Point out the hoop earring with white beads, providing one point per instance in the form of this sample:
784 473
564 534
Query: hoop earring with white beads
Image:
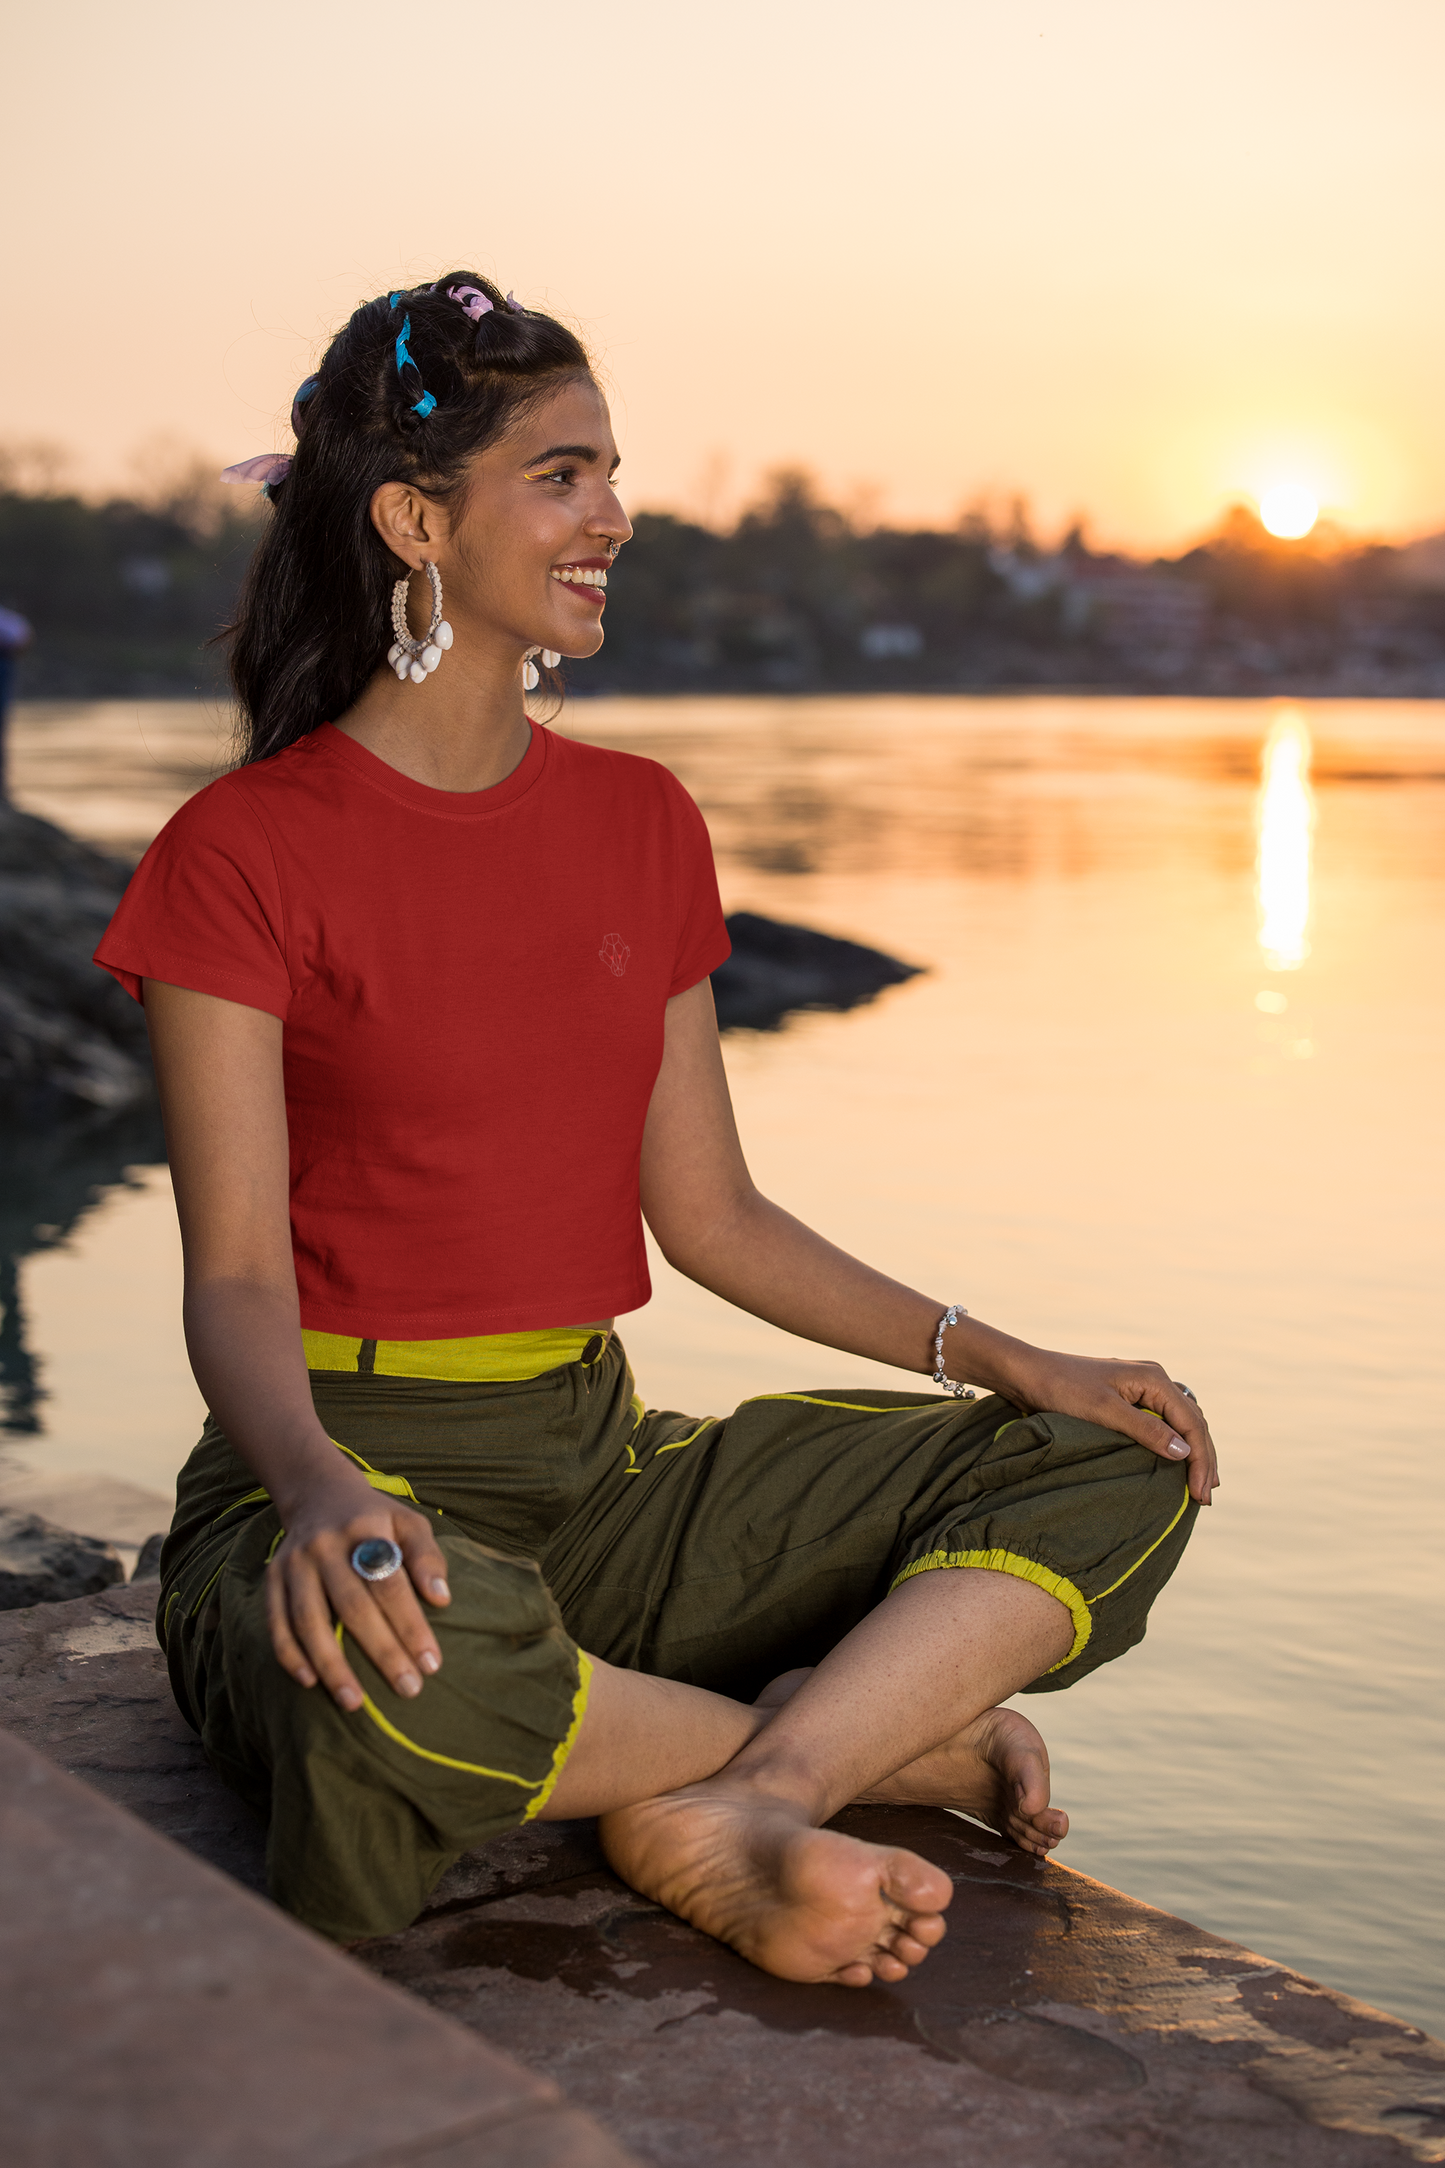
409 657
531 677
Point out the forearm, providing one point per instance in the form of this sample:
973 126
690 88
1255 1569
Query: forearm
244 1339
756 1255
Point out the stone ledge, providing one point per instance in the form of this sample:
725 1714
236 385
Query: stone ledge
167 2016
1059 2020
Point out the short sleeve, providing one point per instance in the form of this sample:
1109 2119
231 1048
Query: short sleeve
204 909
702 935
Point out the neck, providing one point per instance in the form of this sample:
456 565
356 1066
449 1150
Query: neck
464 729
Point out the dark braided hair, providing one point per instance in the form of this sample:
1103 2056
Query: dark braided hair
311 627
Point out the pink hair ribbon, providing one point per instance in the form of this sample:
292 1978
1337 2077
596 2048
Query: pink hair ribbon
472 299
265 467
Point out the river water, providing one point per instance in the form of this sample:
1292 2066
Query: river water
1170 1086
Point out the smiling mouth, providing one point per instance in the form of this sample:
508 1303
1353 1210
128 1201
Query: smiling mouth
590 578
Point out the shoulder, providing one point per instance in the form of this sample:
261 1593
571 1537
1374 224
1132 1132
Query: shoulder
630 778
221 812
234 823
247 802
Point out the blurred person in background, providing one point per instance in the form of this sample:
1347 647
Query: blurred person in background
14 637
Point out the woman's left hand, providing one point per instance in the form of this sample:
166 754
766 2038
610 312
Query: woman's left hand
1138 1398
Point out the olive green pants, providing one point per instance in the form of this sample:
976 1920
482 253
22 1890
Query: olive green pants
719 1552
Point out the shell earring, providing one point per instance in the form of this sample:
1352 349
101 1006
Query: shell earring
530 675
416 659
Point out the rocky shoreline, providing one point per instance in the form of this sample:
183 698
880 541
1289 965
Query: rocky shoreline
43 1563
72 1043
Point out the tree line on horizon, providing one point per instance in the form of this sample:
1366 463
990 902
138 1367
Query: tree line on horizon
126 598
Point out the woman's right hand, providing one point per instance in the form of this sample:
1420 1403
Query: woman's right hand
311 1583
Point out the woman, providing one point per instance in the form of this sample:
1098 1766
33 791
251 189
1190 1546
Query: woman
428 992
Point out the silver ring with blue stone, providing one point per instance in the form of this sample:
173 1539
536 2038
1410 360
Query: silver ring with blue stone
377 1558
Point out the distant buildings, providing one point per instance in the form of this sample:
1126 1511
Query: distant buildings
126 600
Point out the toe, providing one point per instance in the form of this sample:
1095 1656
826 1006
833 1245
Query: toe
859 1975
1039 1832
914 1885
1031 1785
904 1947
888 1967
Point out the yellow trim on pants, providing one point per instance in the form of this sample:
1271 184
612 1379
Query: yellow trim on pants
495 1358
565 1746
542 1786
1023 1569
396 1486
1183 1503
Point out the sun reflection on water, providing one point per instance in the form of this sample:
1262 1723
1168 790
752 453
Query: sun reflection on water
1286 819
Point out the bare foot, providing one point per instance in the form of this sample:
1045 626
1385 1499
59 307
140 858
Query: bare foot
804 1903
996 1769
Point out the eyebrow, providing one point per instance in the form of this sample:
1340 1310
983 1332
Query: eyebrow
587 452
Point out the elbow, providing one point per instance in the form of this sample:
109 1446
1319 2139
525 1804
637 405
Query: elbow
672 1242
701 1241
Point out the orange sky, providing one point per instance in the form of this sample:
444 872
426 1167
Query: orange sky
1131 257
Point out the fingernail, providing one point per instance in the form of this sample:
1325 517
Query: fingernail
407 1682
306 1676
1179 1449
428 1662
349 1698
440 1590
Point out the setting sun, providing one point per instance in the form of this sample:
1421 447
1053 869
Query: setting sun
1289 510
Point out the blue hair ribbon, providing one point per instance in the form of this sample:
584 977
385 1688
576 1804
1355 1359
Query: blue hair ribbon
426 404
303 393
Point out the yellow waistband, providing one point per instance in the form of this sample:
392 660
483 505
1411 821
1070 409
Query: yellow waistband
493 1357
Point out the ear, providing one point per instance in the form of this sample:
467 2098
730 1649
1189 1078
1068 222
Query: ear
410 524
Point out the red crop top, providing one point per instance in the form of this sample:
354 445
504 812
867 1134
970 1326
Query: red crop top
472 987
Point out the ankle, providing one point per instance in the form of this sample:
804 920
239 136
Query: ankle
765 1777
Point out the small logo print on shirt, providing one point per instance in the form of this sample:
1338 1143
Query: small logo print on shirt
614 953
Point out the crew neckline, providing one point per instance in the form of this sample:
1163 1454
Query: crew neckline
455 805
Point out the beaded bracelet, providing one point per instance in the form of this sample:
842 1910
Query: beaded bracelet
950 1316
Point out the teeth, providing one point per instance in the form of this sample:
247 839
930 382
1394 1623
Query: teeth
575 576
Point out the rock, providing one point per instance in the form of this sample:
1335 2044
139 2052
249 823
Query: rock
148 1564
72 1043
161 2015
86 1683
40 1563
98 1505
775 968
